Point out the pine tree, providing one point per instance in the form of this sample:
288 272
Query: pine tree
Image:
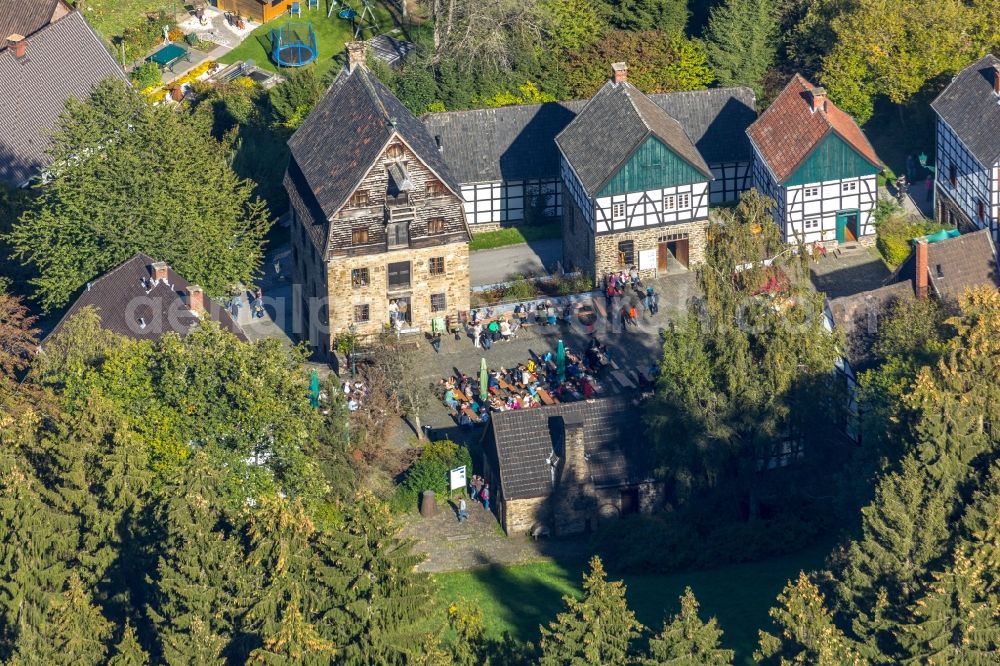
668 16
128 652
197 578
378 600
741 41
295 641
597 629
807 632
687 641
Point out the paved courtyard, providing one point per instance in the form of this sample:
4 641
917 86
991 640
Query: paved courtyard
493 266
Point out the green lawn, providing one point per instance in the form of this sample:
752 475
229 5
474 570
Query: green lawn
519 598
110 17
331 35
488 240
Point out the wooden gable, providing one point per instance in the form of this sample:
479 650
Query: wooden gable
651 166
831 159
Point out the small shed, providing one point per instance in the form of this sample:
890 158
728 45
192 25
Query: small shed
260 11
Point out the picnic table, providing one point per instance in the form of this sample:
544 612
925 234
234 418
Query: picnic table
622 380
546 398
169 55
471 414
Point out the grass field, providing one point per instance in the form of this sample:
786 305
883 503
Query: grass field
520 598
110 17
489 240
331 35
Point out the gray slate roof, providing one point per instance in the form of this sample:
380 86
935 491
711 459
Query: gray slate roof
956 264
120 297
969 106
64 59
25 17
859 316
525 438
390 50
616 121
345 134
518 142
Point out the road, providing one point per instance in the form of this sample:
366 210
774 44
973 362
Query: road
492 266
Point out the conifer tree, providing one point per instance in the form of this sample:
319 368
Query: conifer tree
597 629
741 42
807 632
128 652
687 641
378 598
197 578
295 641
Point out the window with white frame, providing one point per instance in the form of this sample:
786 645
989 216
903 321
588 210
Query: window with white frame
812 192
683 201
849 187
669 202
811 224
618 211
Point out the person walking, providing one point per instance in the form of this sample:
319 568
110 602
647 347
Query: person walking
463 512
485 496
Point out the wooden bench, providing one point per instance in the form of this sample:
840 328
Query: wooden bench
622 380
546 398
507 387
471 414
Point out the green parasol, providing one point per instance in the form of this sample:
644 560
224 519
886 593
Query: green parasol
314 389
561 362
484 382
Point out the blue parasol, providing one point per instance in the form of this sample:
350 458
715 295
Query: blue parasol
561 362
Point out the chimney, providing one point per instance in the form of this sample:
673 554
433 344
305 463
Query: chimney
357 52
195 298
818 99
921 269
576 468
18 44
996 80
619 72
159 271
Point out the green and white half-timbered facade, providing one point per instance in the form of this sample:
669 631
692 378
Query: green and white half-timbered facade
818 166
636 187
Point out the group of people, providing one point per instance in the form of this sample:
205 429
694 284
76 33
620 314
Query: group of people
355 394
624 296
485 333
530 384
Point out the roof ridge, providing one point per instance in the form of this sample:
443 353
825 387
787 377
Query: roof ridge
373 93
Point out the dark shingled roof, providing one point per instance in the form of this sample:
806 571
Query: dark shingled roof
120 297
611 126
347 132
858 316
525 438
65 59
789 129
970 108
955 264
26 17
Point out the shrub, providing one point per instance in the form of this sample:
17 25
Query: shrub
430 472
146 75
895 232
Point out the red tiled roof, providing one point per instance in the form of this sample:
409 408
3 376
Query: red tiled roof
789 129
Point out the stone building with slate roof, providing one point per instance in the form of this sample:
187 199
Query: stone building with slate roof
507 161
639 196
568 466
817 164
377 216
62 58
967 178
145 299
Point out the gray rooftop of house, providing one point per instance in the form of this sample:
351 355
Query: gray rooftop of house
955 265
970 107
62 60
526 438
518 142
858 316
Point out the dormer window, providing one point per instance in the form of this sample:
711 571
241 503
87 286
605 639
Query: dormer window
359 198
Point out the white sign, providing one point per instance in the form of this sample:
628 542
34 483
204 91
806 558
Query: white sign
647 260
457 478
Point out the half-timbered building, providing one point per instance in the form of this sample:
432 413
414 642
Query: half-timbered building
640 196
378 229
818 166
507 161
967 178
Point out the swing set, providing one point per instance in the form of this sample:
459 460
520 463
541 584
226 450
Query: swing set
358 20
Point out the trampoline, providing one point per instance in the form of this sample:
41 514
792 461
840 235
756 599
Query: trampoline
293 44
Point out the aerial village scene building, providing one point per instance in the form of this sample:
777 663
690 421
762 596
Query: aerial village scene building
408 331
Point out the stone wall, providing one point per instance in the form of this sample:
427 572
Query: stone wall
344 296
520 515
578 239
648 239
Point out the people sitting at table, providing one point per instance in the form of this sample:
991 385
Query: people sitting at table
451 399
505 331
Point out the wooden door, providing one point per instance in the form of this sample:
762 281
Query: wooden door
661 257
681 252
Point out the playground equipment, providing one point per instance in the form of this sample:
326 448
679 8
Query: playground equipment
293 44
358 20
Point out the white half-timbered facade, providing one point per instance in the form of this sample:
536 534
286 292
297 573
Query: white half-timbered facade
652 208
508 162
817 165
967 174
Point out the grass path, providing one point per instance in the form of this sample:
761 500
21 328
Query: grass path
520 598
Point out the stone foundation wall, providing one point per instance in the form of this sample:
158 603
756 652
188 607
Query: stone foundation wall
520 515
648 239
343 296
